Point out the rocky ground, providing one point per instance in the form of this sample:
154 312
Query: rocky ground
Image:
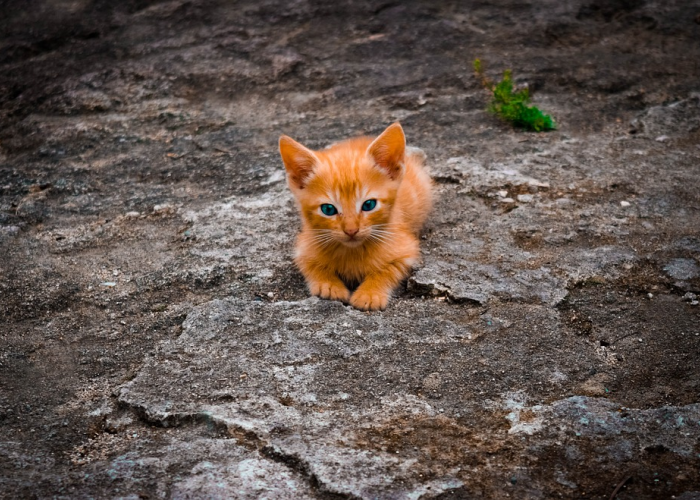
157 342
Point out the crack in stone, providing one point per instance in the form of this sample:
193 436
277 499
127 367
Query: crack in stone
419 289
298 465
243 437
171 420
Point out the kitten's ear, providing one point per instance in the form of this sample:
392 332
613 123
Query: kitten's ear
388 150
298 160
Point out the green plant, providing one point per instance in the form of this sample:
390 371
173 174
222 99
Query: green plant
513 106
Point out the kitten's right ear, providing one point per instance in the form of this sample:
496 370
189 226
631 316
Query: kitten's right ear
298 160
389 149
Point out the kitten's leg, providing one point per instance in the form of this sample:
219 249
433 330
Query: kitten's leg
375 290
322 282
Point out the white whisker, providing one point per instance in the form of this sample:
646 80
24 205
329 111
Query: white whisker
379 238
321 237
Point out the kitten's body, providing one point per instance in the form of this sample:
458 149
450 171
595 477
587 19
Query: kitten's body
373 248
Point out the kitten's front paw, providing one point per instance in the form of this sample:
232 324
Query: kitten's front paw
369 300
329 291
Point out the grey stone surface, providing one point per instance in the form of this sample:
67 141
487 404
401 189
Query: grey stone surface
156 340
215 468
676 119
682 269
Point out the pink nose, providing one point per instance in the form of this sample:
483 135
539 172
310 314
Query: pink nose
351 232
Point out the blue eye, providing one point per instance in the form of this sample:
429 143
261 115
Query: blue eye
328 209
369 205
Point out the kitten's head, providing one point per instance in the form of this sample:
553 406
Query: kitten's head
346 192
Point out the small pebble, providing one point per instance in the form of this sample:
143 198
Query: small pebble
270 295
525 198
503 193
359 332
650 295
625 203
662 138
433 382
108 283
11 230
507 200
164 207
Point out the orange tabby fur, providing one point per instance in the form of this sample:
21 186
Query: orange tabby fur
375 249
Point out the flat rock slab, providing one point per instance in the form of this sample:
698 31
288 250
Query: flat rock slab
343 397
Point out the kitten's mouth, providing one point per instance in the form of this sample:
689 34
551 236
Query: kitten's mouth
353 242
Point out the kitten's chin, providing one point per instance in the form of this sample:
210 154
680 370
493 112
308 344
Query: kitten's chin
354 243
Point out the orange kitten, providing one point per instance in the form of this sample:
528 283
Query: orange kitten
362 204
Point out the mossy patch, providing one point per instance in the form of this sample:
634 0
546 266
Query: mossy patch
513 105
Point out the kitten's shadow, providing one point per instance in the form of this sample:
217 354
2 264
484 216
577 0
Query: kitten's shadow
400 291
352 285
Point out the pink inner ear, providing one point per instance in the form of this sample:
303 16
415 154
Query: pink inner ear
388 150
302 170
298 161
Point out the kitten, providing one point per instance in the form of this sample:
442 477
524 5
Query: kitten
362 203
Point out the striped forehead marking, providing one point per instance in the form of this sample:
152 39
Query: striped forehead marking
361 198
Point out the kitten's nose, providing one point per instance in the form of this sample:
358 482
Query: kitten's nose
351 232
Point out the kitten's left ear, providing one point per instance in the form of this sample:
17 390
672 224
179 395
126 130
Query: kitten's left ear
388 151
298 160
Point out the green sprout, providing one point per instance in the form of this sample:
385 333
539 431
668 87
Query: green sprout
512 106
